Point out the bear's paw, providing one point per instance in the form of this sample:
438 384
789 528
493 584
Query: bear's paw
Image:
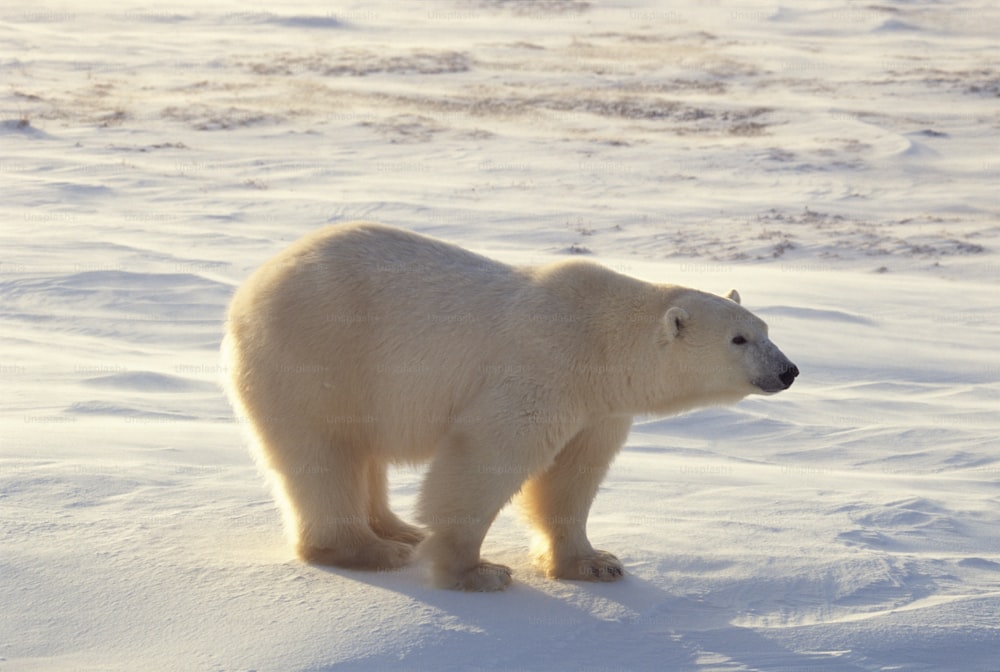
377 555
599 566
485 577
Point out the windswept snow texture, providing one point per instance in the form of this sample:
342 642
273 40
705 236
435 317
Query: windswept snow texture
835 161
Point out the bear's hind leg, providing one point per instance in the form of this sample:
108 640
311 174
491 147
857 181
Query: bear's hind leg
325 499
383 521
557 503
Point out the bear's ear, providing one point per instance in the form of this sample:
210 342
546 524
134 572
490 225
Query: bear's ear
733 296
673 323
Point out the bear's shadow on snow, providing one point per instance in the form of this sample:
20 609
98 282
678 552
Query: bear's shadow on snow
639 621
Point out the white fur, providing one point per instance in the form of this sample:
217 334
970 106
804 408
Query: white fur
361 345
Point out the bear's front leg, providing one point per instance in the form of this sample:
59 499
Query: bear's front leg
557 503
462 494
476 472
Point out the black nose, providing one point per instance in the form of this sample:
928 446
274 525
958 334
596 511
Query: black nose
788 376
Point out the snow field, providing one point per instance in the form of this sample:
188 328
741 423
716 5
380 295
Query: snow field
834 162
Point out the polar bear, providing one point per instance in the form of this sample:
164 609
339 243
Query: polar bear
362 345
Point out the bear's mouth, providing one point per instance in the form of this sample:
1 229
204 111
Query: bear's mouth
782 381
768 387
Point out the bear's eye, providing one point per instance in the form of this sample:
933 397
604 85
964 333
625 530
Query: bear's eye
739 340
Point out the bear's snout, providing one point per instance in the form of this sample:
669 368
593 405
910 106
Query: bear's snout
780 380
788 375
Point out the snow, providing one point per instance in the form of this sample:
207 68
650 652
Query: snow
836 162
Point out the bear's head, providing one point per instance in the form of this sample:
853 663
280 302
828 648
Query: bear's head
719 351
